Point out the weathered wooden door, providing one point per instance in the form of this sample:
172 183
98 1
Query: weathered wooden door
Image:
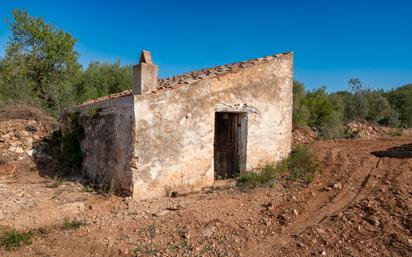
230 144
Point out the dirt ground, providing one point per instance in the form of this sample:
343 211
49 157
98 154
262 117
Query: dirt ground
360 204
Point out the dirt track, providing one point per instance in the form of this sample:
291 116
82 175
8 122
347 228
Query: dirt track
358 205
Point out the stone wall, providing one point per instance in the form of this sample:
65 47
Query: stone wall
108 142
162 141
175 127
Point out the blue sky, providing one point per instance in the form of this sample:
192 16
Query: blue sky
332 40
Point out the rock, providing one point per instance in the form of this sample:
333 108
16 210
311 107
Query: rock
281 219
267 222
162 213
372 219
31 128
303 136
208 232
185 235
19 150
337 186
30 152
328 188
269 206
295 212
323 253
320 231
367 130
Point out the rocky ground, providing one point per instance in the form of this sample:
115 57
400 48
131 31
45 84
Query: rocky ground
360 204
22 130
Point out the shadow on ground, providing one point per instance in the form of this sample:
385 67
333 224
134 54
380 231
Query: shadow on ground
401 152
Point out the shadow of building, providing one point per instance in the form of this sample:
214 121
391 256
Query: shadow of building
401 152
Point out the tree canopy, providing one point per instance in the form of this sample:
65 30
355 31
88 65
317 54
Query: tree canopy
41 67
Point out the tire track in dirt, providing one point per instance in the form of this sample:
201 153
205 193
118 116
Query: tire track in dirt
348 194
361 169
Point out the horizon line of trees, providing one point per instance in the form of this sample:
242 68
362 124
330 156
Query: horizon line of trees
41 68
328 112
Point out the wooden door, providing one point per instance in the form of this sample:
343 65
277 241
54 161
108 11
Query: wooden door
229 144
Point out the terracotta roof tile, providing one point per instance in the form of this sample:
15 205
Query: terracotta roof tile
194 76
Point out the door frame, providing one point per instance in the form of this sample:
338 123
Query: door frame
240 128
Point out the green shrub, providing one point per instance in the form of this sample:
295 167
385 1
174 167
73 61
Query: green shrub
396 132
349 134
300 110
323 115
100 79
332 127
259 176
147 249
356 105
71 155
339 101
112 187
299 166
401 100
92 115
72 224
12 240
89 189
319 106
379 109
66 146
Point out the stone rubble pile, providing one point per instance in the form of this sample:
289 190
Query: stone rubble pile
407 132
366 130
19 138
358 130
303 136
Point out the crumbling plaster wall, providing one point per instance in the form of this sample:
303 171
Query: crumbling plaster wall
108 142
175 128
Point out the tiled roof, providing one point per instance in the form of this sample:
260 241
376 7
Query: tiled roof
194 76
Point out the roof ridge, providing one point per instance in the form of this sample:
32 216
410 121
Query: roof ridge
194 76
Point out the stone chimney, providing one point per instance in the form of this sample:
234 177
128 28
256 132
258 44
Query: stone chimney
144 75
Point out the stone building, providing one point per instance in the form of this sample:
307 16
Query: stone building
183 132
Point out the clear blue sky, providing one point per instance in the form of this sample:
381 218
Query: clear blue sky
332 40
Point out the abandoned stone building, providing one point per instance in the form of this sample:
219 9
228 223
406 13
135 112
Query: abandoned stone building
183 132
